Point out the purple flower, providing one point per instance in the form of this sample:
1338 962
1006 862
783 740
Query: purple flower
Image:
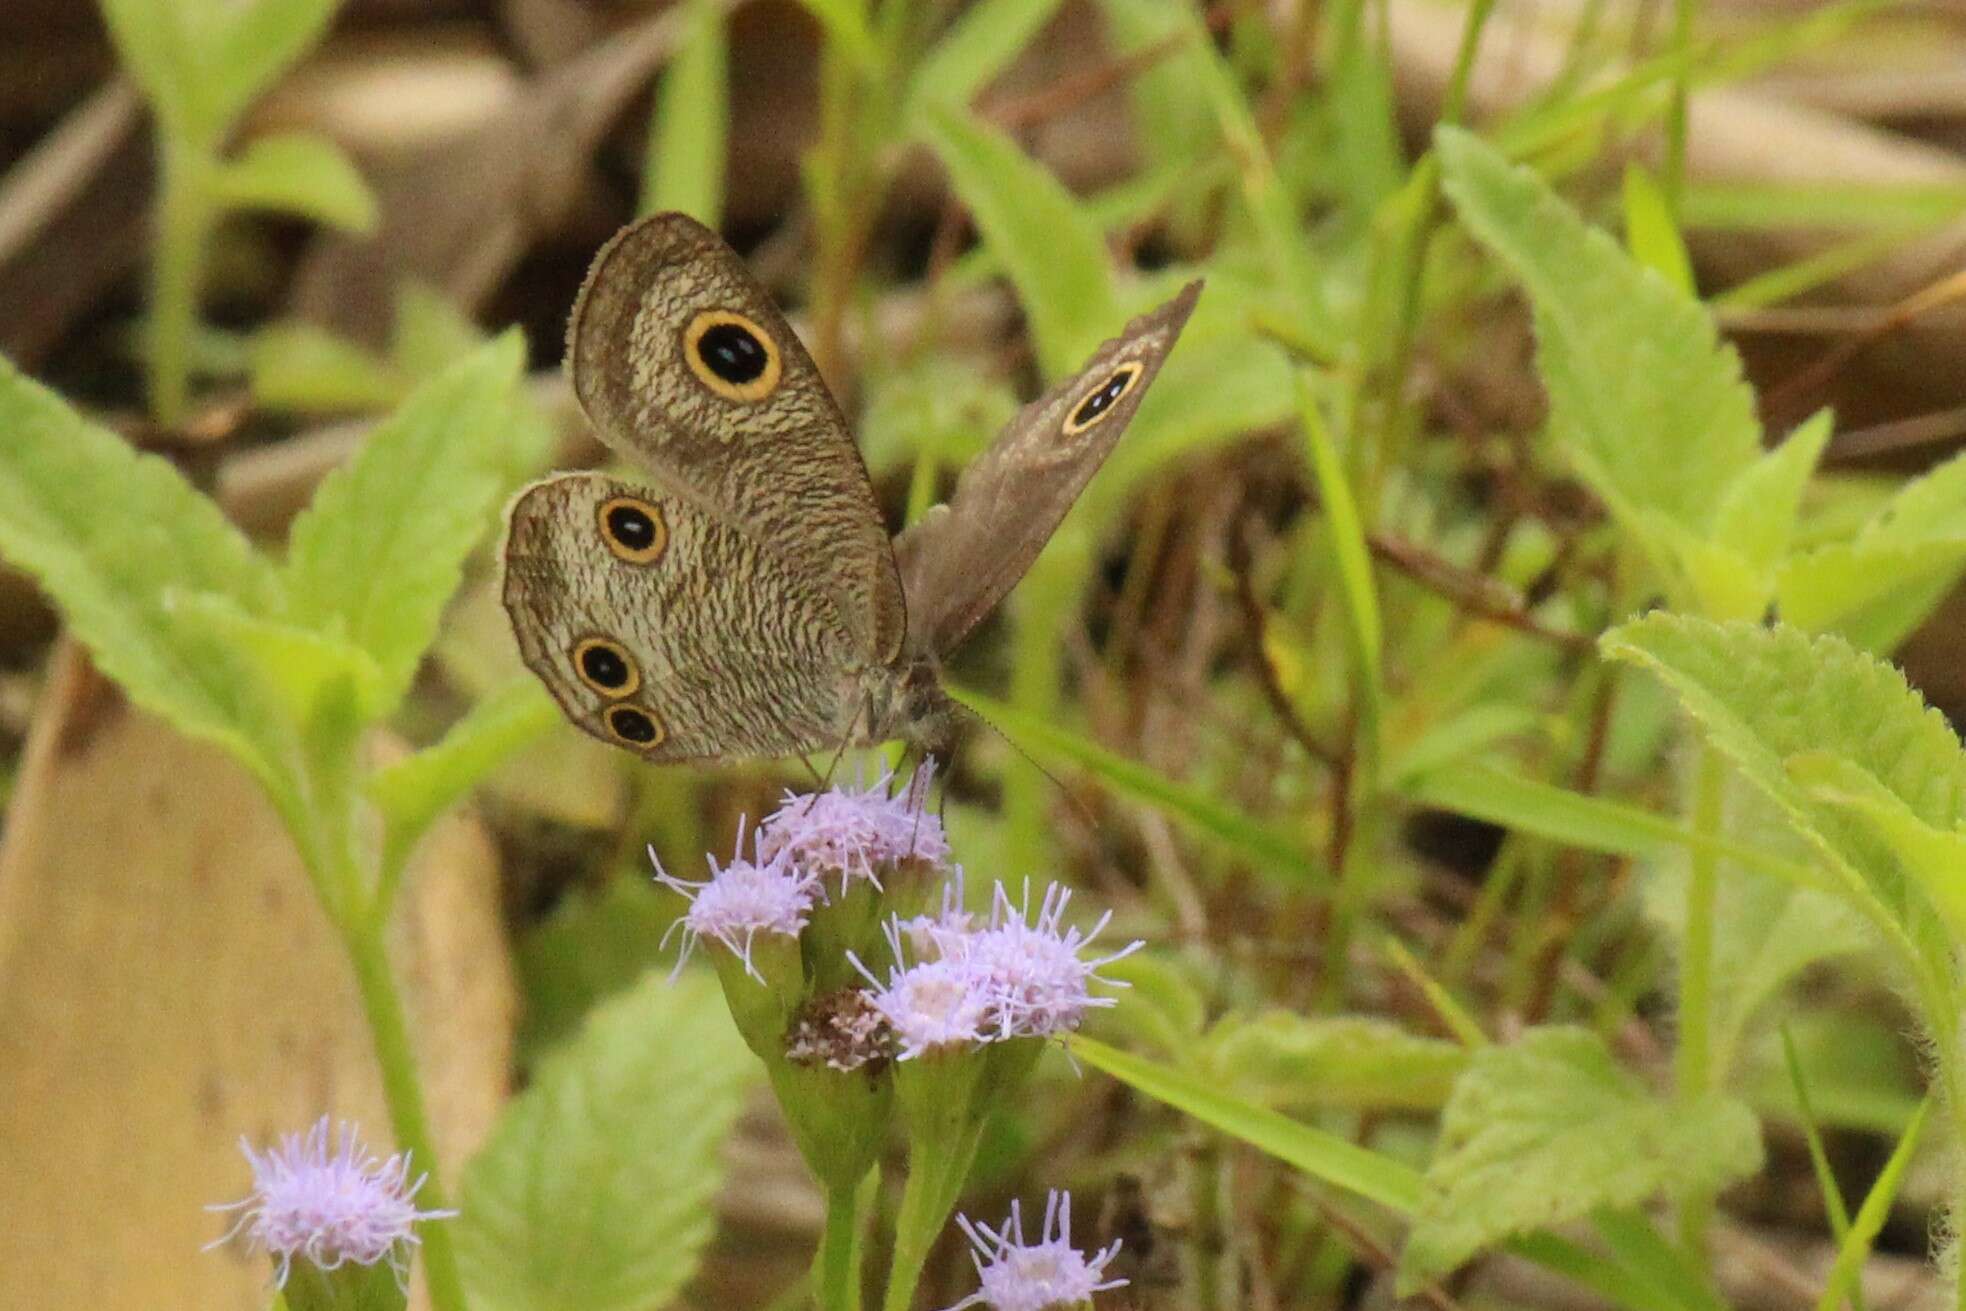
938 935
1038 982
937 1003
329 1204
1020 1276
740 901
854 832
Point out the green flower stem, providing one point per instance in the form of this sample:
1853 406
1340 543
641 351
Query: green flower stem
389 1028
936 1171
836 1266
185 213
1694 1058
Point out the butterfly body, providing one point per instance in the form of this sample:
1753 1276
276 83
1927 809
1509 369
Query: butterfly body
749 602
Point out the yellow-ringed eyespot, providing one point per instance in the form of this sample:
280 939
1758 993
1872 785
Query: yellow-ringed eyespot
1099 402
732 356
635 728
606 666
633 529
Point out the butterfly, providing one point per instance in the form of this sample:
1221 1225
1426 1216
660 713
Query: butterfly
748 601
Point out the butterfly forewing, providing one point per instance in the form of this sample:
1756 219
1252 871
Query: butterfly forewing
662 630
960 560
683 363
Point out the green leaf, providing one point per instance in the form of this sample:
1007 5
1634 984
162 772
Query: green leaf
1351 560
1590 823
1766 931
1050 246
253 43
300 667
1764 695
1319 1154
430 333
846 27
1826 588
298 173
1757 515
414 791
153 46
1934 858
1164 1006
1650 232
107 533
689 134
1548 1130
1292 1061
979 45
381 548
596 1188
1251 838
595 944
1868 1223
1644 398
299 367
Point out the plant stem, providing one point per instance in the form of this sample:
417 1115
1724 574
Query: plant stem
1674 180
383 1006
1693 1061
184 219
836 1266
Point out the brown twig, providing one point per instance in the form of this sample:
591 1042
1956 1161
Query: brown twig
1476 593
1793 390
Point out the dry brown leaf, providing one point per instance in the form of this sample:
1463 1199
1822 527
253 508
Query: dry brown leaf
171 983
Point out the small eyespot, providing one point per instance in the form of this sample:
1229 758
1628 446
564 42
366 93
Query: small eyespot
635 728
1099 402
732 356
633 529
606 667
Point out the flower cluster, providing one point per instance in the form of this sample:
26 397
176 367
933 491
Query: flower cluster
743 899
853 832
325 1199
1050 1273
1014 977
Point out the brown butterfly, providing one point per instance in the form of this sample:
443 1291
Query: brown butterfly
751 604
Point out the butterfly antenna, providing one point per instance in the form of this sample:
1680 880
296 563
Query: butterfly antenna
1085 815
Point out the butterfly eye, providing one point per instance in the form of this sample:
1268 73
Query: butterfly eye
606 667
633 529
1099 402
635 727
732 356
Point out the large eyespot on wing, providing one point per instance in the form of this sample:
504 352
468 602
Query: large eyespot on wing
682 362
662 631
960 560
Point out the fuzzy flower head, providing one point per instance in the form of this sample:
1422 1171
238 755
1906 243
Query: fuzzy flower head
740 901
944 933
325 1199
1038 979
934 1004
855 832
1050 1273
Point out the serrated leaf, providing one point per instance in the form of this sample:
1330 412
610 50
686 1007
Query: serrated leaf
1549 1129
1822 589
1763 695
381 548
979 45
1300 1062
1757 514
107 532
594 945
1934 858
688 135
596 1188
1049 244
298 173
1645 399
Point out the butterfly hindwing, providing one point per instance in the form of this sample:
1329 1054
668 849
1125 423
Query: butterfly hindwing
655 626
